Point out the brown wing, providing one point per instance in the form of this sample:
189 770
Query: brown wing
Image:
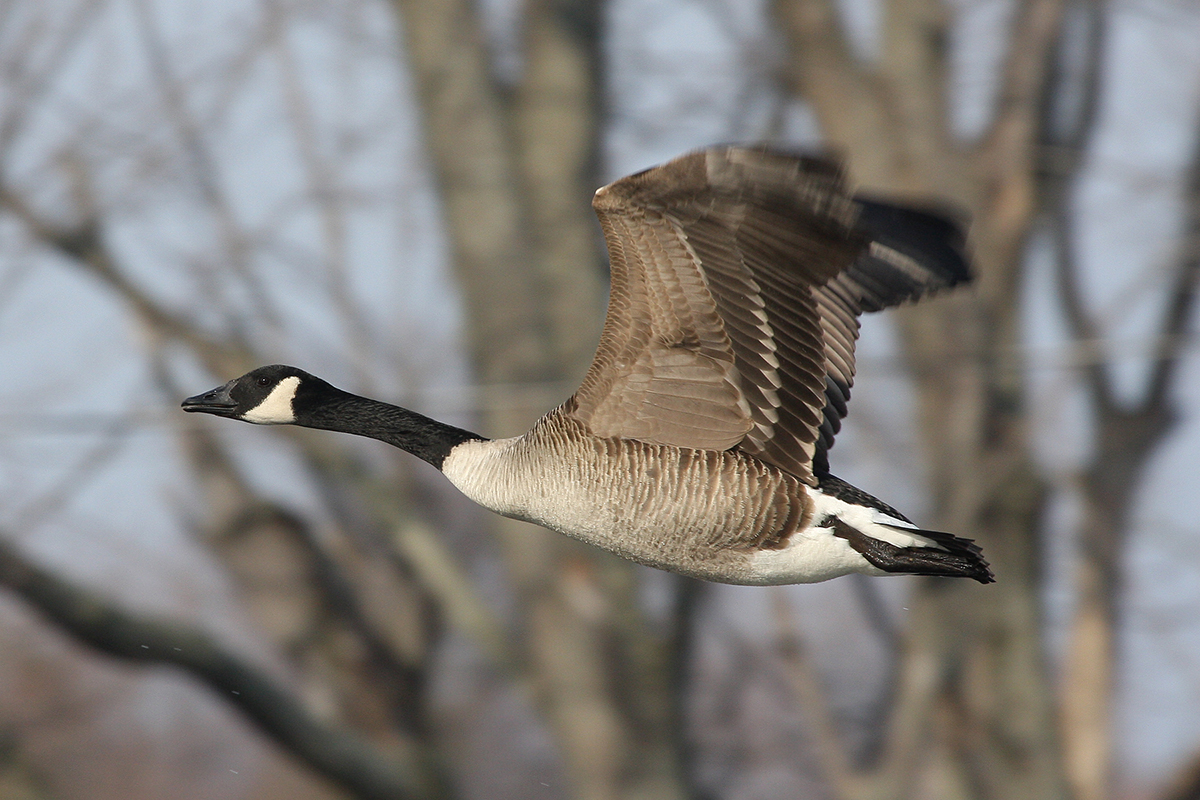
732 314
713 339
913 252
664 370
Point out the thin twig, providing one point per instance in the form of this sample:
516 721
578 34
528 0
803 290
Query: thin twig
327 196
75 479
201 164
32 83
84 244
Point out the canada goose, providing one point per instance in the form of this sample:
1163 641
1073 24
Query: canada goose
698 440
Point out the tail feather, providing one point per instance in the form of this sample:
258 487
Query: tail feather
953 557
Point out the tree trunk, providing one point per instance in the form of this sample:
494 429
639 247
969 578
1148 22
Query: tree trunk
516 179
986 697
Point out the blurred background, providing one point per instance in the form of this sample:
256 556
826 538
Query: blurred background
395 196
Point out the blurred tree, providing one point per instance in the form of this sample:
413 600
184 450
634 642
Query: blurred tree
984 695
361 588
515 172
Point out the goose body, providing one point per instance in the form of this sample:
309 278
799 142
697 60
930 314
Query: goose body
697 442
713 514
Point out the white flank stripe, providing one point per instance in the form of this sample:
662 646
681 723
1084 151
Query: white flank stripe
870 521
816 554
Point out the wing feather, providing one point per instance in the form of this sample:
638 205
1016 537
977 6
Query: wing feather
738 276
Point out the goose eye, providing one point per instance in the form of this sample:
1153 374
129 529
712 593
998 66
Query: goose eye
264 381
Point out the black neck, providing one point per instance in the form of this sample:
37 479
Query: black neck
335 410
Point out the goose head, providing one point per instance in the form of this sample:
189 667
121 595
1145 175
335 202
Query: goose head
264 396
282 395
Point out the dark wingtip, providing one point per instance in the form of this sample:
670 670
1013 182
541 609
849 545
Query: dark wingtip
933 235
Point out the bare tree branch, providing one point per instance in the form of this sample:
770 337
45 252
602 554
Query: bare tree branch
327 196
438 571
971 417
513 174
1007 149
821 68
337 753
916 51
83 243
1068 117
202 166
73 480
1181 298
689 594
33 82
1126 437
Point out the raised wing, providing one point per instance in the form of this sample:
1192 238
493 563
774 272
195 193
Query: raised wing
737 278
913 252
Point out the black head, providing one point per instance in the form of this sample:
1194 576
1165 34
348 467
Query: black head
265 396
279 395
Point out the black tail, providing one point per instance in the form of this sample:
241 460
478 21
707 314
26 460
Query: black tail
960 558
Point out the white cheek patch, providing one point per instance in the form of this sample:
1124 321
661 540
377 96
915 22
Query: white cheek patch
276 408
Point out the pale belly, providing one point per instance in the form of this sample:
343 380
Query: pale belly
713 515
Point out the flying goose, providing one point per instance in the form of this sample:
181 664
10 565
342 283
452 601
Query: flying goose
698 441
